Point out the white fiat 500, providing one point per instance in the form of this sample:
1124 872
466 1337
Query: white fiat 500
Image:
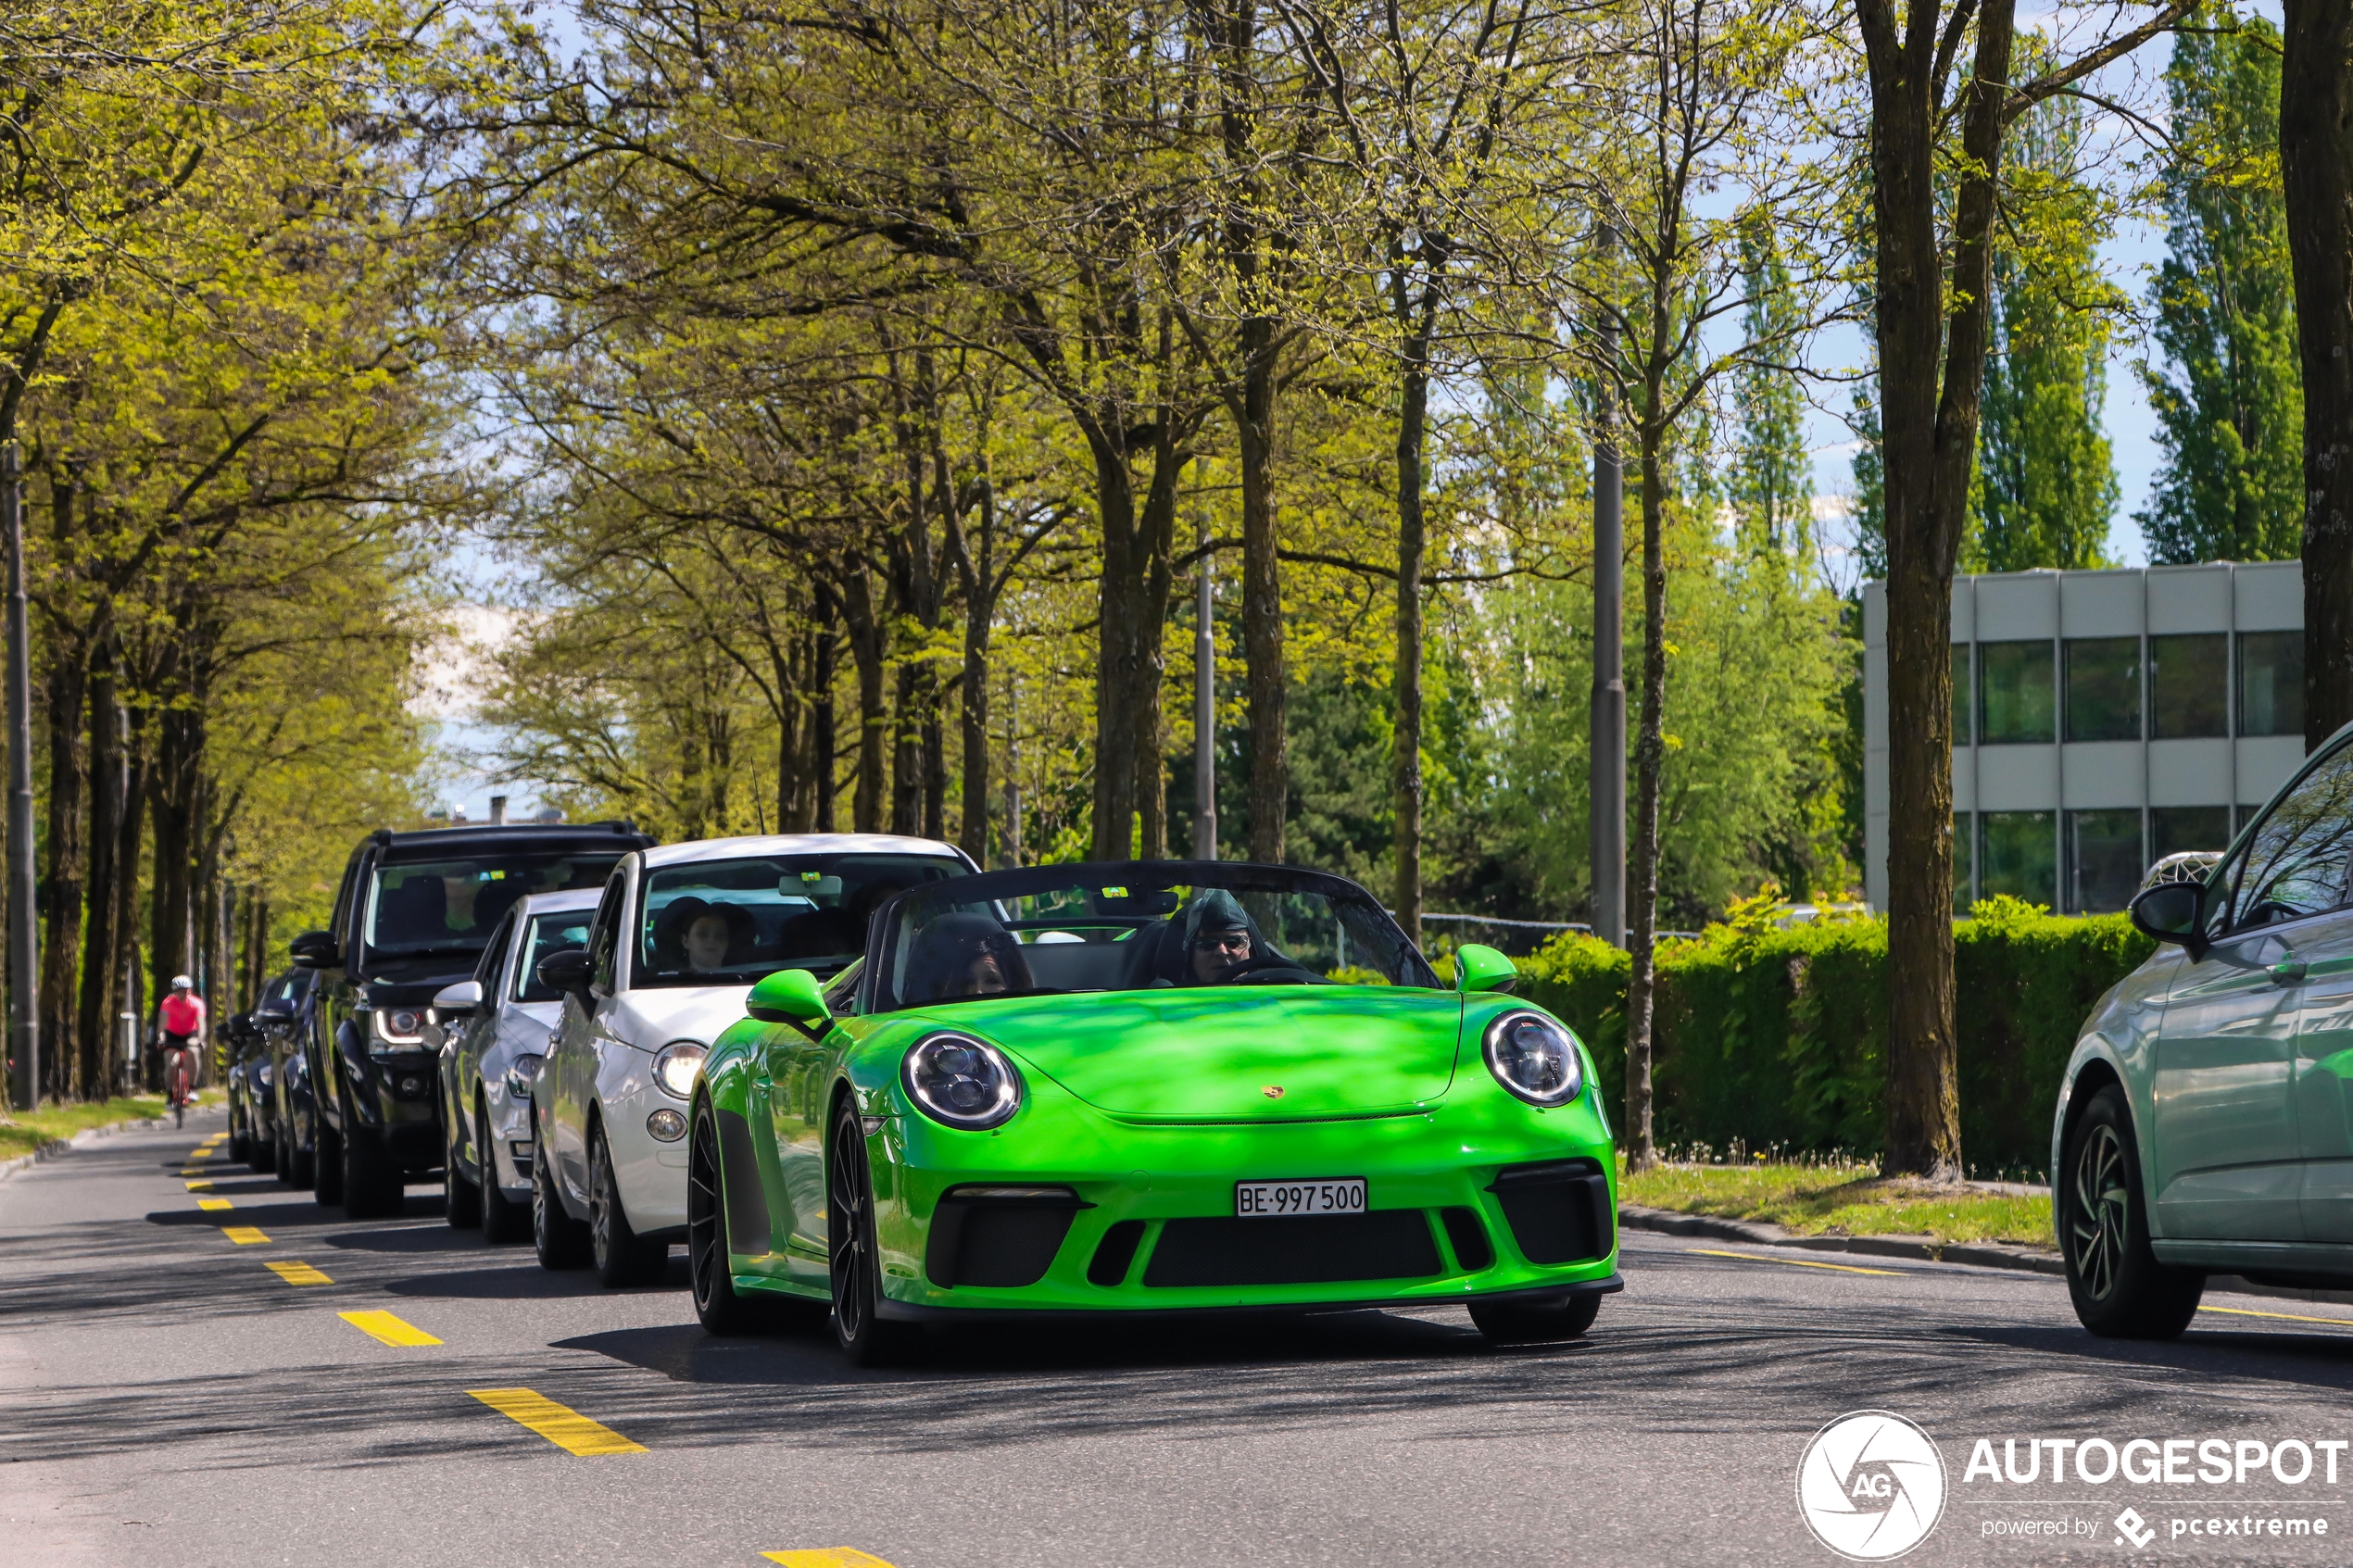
680 935
492 1034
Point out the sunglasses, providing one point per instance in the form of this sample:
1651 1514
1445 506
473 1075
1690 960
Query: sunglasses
1223 941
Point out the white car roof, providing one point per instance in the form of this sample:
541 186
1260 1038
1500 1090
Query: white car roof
559 903
798 843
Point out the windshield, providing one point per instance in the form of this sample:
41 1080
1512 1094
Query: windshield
447 909
729 922
1134 927
548 934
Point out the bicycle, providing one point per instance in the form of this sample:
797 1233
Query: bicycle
179 1080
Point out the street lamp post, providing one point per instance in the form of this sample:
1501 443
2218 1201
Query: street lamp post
24 1016
1205 704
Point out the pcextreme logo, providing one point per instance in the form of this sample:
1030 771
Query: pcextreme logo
1871 1485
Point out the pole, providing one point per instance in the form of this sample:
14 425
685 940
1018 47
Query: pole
1206 697
24 1016
1607 714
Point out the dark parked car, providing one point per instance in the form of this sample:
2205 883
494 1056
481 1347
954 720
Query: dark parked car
413 914
252 1137
284 1096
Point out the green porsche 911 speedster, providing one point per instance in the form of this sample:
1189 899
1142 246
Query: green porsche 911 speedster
1147 1086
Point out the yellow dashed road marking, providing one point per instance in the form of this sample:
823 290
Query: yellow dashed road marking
199 1186
2283 1317
1795 1262
389 1329
243 1235
213 1205
827 1556
298 1273
568 1429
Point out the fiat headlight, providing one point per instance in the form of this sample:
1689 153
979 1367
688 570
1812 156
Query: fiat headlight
962 1082
523 1073
675 1066
1535 1058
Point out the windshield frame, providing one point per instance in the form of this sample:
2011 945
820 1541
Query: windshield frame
1247 876
640 975
445 956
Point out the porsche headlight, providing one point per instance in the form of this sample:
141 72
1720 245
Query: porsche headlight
962 1082
523 1073
675 1066
397 1026
1535 1058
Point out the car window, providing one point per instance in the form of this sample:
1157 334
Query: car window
494 956
2296 859
604 935
449 908
549 934
731 922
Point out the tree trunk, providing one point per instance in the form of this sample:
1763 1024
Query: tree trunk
1266 690
94 1032
866 653
61 882
128 967
906 752
2316 170
935 762
174 809
1155 589
1405 762
1116 650
972 711
1650 759
1932 372
822 740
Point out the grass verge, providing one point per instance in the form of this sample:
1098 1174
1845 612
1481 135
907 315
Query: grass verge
21 1132
1852 1200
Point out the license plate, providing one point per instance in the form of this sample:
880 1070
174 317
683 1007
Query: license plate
1261 1201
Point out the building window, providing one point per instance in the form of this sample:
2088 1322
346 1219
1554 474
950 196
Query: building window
1964 734
2174 830
2189 682
1964 863
2017 854
2103 860
2270 683
2104 688
2014 693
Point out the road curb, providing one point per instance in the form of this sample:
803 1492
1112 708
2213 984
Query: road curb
1922 1248
56 1147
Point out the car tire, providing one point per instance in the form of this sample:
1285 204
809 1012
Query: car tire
261 1154
623 1257
854 1268
718 1304
561 1241
1530 1322
460 1199
285 1154
302 1162
371 1184
2119 1290
239 1145
326 1162
503 1220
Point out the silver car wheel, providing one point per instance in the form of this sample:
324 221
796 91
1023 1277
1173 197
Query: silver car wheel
2096 1227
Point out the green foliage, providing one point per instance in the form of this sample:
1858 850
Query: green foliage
2231 416
1777 1038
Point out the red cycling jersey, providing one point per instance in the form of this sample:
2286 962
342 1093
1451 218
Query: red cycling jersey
182 1015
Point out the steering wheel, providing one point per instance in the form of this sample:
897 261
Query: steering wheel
1270 971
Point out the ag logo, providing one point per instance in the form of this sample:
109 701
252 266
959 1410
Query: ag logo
1871 1485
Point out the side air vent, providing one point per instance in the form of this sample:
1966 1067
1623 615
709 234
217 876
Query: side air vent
998 1236
1559 1212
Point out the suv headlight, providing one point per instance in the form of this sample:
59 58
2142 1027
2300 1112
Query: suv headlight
675 1066
523 1073
962 1082
261 1073
1535 1058
397 1026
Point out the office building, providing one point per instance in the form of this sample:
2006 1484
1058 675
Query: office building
2101 721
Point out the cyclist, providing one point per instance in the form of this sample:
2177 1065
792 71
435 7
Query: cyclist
179 1019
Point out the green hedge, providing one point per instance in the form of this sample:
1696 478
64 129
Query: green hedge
1777 1038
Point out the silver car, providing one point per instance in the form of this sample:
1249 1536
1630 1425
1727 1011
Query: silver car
2206 1123
493 1037
681 934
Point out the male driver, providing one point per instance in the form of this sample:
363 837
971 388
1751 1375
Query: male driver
182 1020
1218 937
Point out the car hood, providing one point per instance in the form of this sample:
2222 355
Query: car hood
1214 1054
652 1016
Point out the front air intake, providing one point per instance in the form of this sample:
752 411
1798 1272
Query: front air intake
1294 1249
1559 1212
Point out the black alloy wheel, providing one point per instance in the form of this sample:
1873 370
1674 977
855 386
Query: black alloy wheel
717 1303
623 1257
1523 1323
285 1155
561 1241
460 1199
2119 1290
503 1220
261 1153
303 1161
326 1158
240 1141
855 1270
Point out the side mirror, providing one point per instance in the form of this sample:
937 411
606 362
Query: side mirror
454 1000
789 995
566 970
314 949
2172 912
1482 968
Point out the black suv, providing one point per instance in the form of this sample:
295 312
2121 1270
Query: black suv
413 914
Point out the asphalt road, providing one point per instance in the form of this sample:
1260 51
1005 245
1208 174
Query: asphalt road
167 1398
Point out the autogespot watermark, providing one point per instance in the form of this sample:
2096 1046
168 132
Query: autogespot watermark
1873 1485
